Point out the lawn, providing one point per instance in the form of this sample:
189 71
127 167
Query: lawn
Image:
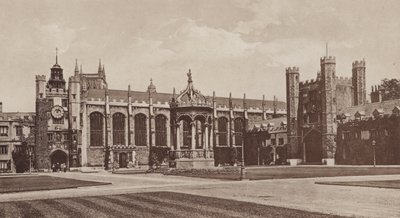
254 173
36 183
395 184
310 171
155 204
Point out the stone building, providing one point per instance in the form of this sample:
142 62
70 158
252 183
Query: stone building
267 143
369 130
89 125
16 128
313 107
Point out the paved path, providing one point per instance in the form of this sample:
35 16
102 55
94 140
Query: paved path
301 194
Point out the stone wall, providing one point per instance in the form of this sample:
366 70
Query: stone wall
142 155
42 149
354 141
95 156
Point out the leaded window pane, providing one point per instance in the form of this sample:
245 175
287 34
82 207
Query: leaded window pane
223 131
140 130
118 129
96 129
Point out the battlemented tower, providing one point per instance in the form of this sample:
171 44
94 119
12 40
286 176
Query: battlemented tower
358 80
292 99
328 96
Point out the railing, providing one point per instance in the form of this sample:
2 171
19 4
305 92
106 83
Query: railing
191 154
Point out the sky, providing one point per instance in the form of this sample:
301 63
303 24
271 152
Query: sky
233 46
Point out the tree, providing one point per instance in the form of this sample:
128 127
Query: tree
21 158
390 89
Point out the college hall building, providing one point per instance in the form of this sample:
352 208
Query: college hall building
85 124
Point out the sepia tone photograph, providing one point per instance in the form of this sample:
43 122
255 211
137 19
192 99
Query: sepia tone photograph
200 108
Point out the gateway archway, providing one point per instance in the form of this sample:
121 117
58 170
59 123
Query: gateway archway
58 157
313 147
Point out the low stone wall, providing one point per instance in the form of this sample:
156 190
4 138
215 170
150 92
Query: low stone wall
216 172
142 155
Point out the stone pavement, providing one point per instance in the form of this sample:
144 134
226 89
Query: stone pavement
301 194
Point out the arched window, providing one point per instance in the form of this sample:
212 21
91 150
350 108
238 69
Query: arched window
161 130
199 127
96 129
239 127
140 130
118 123
187 134
223 131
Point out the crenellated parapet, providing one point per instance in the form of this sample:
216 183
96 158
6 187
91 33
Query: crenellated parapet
309 82
328 60
343 80
40 78
359 64
292 70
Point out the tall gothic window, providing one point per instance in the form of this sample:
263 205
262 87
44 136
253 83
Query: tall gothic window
187 133
140 130
96 129
161 130
199 133
223 131
239 127
118 123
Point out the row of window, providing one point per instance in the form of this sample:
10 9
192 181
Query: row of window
64 102
18 148
4 130
365 135
57 136
118 123
3 165
280 141
4 149
223 131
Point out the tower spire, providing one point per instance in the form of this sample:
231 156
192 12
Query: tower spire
99 71
189 74
56 55
327 49
76 67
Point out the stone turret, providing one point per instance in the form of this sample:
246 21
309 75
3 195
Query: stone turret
292 101
328 121
358 81
40 86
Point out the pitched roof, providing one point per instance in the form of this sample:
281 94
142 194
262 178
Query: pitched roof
368 109
119 95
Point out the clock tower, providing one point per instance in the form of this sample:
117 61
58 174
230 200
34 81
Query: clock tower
52 136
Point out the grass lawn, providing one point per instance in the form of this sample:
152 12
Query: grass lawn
36 183
254 173
155 204
310 171
395 184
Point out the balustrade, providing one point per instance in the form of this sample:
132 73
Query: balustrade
191 154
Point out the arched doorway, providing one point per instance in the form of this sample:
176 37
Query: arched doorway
58 157
123 160
313 146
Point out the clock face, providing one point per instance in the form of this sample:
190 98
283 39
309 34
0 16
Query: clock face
57 112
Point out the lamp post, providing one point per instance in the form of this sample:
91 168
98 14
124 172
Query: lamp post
373 151
30 160
242 165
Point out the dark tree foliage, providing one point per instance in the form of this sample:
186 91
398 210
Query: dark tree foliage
390 89
21 158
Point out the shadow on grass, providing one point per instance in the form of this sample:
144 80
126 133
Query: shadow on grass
392 184
40 183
